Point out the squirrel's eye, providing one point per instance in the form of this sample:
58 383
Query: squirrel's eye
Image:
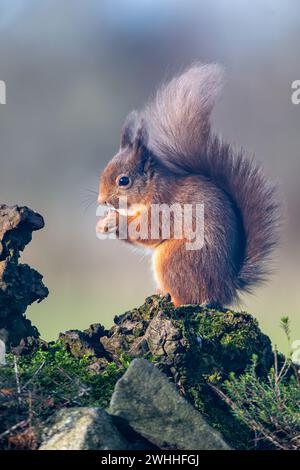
123 181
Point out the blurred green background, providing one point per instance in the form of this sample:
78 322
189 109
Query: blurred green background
73 70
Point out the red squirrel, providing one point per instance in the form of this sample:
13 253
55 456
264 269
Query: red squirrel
169 154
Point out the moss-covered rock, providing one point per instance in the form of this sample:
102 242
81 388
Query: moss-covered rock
193 345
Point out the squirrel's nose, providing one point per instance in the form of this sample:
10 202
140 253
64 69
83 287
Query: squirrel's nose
101 200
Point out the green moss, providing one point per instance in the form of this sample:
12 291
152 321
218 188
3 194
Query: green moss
228 338
49 380
219 342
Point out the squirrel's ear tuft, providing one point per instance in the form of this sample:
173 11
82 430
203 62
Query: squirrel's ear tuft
141 136
129 129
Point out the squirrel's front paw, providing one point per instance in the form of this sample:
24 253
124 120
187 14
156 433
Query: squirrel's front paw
108 224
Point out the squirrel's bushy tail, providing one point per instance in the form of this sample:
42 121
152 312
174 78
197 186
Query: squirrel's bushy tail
178 123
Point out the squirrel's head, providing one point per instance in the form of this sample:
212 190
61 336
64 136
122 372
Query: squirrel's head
130 172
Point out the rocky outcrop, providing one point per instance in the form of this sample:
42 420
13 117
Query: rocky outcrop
220 340
196 347
20 285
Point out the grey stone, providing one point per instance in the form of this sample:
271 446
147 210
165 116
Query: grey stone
82 429
151 405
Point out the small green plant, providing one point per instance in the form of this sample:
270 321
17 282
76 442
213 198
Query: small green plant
269 407
33 387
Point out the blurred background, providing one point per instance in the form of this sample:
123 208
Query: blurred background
73 70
